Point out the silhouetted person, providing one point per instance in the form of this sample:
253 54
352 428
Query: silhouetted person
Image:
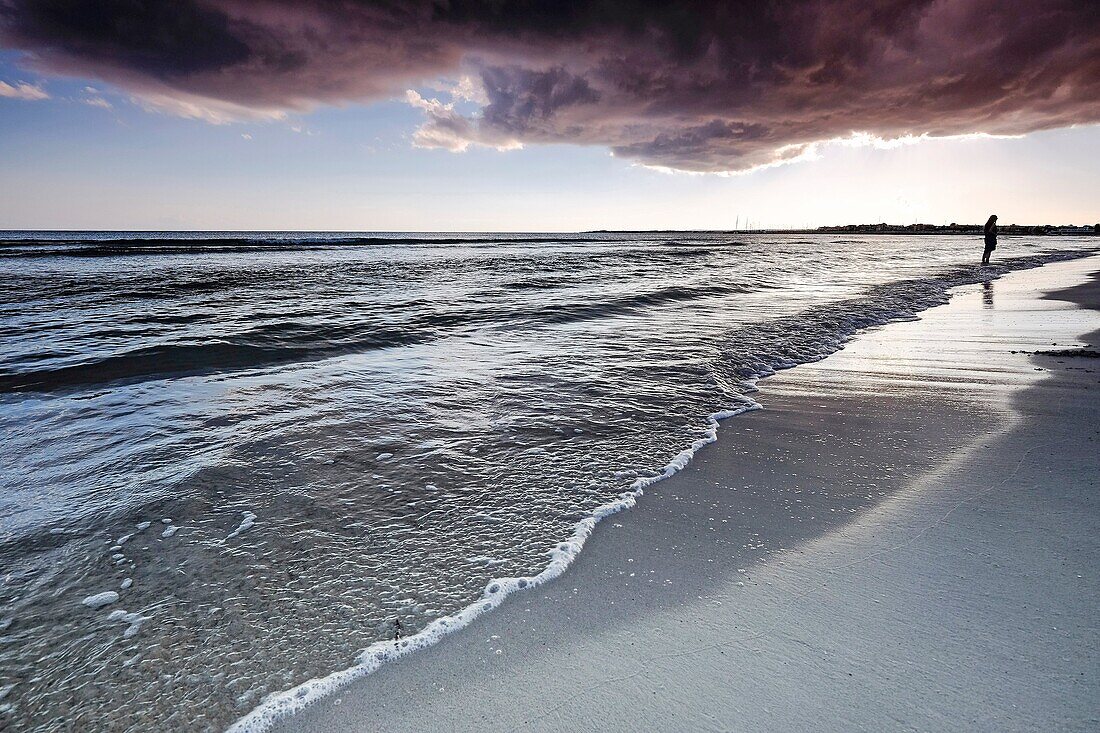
990 238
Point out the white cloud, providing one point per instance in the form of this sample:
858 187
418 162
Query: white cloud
464 89
21 90
98 102
246 135
447 129
867 139
470 89
214 111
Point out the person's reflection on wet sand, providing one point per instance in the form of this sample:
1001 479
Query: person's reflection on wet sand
987 294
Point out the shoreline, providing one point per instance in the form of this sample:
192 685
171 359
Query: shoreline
370 698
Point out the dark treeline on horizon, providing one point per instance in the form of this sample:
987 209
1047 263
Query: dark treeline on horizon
953 228
884 228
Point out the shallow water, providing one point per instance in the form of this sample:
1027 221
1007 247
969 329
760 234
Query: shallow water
332 434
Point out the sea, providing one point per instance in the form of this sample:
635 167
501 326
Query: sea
241 469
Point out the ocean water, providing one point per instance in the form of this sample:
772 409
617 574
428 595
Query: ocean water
232 462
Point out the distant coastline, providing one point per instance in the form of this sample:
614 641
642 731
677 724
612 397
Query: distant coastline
1032 229
368 236
884 228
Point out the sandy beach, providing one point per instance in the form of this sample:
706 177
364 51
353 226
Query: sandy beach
905 538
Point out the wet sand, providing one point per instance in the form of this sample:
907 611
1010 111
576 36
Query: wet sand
905 538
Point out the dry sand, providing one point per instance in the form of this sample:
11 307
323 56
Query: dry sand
906 538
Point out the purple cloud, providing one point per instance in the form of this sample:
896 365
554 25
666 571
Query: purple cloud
699 86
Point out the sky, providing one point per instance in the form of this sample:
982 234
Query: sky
546 116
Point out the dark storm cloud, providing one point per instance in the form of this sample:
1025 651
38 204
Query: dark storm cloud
162 39
702 86
520 99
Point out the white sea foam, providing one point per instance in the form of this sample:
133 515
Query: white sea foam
245 525
133 621
99 600
142 526
278 705
170 530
